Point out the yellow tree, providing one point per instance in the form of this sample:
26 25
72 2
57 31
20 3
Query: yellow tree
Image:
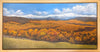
5 31
52 32
30 31
21 33
27 35
14 33
42 32
61 36
77 38
71 40
35 31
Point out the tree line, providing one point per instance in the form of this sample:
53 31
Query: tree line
84 37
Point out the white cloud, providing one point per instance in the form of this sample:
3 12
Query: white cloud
85 9
38 12
19 12
57 11
91 8
85 15
44 12
79 9
66 10
41 12
67 15
88 9
61 16
5 11
12 12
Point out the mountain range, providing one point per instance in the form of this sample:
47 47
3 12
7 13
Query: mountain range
25 20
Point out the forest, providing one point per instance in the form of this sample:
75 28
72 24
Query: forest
74 31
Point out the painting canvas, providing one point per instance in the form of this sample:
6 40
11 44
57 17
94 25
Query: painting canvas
49 25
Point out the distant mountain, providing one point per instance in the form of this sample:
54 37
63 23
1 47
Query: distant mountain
25 20
49 18
86 19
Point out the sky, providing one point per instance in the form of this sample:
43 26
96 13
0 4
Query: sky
44 10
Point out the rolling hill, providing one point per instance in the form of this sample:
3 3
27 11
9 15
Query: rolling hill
86 19
15 19
25 20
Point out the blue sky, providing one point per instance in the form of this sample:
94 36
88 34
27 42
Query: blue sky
43 10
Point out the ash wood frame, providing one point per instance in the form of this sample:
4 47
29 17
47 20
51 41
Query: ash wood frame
52 1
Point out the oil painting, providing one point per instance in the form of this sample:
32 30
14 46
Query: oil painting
49 25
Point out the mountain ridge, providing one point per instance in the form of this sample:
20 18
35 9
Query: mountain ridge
25 20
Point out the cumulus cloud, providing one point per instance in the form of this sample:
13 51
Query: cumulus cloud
70 15
66 10
12 12
88 10
57 11
5 11
38 12
44 12
19 12
41 12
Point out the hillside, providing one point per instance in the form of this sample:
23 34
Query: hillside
49 32
15 19
86 19
25 20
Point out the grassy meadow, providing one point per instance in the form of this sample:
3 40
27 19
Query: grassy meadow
12 43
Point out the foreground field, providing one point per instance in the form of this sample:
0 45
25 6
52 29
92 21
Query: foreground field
9 43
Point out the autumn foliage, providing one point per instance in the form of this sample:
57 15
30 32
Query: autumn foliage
55 31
